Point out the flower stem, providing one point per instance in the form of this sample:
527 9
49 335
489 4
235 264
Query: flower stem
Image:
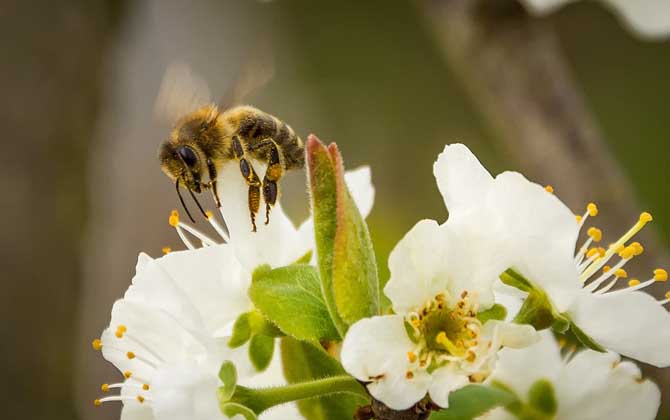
260 400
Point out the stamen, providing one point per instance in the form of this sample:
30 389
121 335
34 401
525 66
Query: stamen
549 189
122 330
660 275
666 300
595 234
119 398
217 227
97 344
195 232
411 356
166 250
642 221
173 220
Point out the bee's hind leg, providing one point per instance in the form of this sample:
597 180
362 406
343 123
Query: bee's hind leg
270 182
252 179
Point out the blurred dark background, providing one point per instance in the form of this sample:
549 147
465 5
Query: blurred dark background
83 193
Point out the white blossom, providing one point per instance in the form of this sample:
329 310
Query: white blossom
536 234
647 18
588 386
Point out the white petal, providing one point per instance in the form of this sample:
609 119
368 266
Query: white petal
213 279
630 323
359 183
512 335
649 18
274 243
444 381
132 408
375 350
611 389
186 391
417 266
543 7
539 231
520 368
461 179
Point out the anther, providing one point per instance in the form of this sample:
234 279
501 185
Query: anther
145 387
549 189
592 209
639 249
140 399
646 217
660 275
409 374
633 282
130 355
173 220
606 269
578 217
97 403
621 273
209 214
411 356
127 374
97 344
595 234
166 250
667 295
104 387
122 328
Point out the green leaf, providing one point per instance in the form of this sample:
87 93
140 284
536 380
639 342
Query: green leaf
305 259
347 264
233 409
228 375
303 361
291 298
495 312
541 397
261 348
472 401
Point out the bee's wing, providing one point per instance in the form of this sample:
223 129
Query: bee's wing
181 92
252 75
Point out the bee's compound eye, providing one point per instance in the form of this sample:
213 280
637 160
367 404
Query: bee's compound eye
188 155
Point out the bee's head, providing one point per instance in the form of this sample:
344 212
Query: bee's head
182 163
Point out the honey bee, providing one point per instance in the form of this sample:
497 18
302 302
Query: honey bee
205 139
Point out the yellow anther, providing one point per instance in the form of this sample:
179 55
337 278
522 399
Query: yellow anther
591 252
592 209
578 217
97 344
441 338
127 374
606 268
140 399
618 248
130 355
411 356
667 295
628 252
595 234
119 334
416 323
409 374
639 249
209 214
145 387
549 189
104 387
121 328
174 218
646 217
166 250
97 403
633 282
660 275
621 273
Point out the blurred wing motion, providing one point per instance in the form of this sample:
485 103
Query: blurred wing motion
181 91
252 75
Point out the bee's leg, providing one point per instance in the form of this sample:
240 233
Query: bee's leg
271 179
212 182
252 179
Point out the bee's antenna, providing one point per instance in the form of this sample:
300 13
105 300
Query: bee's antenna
182 201
198 203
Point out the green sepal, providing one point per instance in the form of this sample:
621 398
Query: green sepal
228 376
346 259
513 278
542 397
495 312
231 409
305 259
261 348
249 324
304 361
290 297
241 331
412 334
585 339
472 401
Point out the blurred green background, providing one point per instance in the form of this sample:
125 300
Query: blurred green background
83 193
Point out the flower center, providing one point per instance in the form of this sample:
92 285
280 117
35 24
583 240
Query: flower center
444 333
